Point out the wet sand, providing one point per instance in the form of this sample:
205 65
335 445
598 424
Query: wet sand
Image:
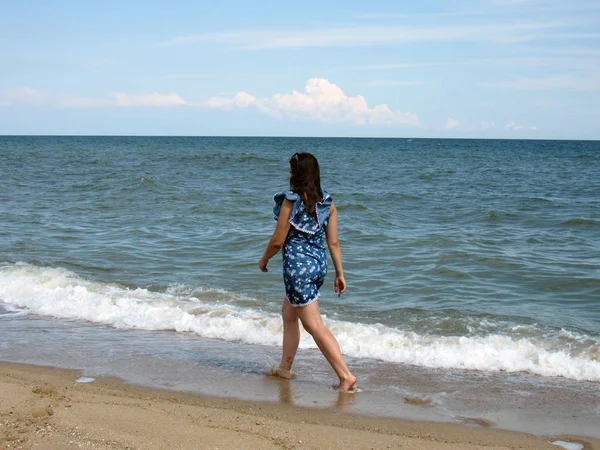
44 407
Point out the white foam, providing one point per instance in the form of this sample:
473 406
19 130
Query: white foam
13 311
14 314
569 445
12 308
60 293
84 380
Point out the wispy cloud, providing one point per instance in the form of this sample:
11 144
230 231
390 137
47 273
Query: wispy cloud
34 97
451 123
532 61
549 6
530 7
37 98
322 101
266 39
401 66
577 51
25 94
451 14
400 16
513 126
393 83
239 100
580 58
552 82
569 36
511 2
152 99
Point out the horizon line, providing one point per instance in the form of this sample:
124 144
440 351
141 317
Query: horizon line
302 137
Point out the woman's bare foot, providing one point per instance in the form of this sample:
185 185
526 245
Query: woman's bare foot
284 373
348 384
281 373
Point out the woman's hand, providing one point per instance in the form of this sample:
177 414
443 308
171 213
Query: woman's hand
262 264
339 285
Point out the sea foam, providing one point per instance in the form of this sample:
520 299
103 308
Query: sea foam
60 293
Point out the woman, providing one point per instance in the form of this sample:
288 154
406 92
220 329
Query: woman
305 215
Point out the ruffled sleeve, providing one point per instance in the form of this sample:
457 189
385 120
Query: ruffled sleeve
278 199
323 209
300 218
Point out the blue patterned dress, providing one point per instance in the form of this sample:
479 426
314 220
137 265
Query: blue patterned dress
304 255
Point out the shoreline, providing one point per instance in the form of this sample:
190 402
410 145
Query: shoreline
44 407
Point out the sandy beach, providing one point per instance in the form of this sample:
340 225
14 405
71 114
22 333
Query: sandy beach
46 408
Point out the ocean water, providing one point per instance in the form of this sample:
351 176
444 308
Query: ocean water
471 264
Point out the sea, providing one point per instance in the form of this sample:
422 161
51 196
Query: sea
473 271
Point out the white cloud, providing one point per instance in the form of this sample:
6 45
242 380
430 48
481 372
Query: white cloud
322 101
151 99
552 82
451 123
513 126
4 103
488 125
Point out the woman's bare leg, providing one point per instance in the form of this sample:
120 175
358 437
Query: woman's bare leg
291 339
310 316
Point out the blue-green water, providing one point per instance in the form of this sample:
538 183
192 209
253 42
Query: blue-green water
441 238
459 254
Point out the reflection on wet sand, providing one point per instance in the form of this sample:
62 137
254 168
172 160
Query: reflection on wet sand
344 402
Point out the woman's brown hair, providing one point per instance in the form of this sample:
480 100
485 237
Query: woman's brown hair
305 180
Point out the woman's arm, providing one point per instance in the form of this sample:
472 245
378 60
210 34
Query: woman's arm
281 231
339 285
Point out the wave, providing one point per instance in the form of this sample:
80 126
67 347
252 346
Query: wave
147 180
244 158
498 216
447 272
10 311
580 221
539 200
219 314
13 314
353 207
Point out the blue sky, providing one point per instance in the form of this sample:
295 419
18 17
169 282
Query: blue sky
466 68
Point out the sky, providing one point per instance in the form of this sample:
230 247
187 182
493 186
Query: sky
517 69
